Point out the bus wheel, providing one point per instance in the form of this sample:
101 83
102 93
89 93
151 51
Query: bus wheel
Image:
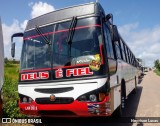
135 89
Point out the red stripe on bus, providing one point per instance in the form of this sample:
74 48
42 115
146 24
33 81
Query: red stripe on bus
101 48
35 36
35 70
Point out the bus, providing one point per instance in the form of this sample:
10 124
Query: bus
140 66
74 63
1 66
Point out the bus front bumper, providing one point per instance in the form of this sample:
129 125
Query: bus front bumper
74 109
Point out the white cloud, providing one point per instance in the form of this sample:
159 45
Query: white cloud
144 43
40 8
23 24
128 28
37 9
9 30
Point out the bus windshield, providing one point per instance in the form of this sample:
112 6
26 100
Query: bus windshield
85 44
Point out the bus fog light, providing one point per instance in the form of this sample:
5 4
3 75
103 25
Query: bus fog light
24 100
108 104
93 98
108 110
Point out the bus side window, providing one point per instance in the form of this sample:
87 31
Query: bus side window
122 49
108 42
129 56
127 59
132 59
112 63
118 51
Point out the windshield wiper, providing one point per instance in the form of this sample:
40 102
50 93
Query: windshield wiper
70 34
71 30
41 34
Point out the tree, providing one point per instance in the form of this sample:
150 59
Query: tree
6 60
157 64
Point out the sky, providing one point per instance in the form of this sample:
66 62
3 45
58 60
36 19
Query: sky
138 22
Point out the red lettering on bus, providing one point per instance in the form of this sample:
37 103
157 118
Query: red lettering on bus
59 73
88 72
69 72
44 75
34 76
81 71
78 72
30 76
23 77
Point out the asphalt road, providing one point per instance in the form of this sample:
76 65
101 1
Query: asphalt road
144 104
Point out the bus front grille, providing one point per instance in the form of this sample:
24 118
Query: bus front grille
58 100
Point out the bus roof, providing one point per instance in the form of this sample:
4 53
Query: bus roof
66 13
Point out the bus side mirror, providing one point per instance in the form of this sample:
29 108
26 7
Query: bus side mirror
13 43
109 17
13 49
115 33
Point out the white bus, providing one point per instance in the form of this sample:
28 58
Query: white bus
1 65
74 63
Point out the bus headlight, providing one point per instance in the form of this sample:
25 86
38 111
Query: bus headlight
93 98
30 100
24 100
83 98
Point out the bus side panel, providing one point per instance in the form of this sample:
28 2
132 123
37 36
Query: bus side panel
115 84
128 73
115 97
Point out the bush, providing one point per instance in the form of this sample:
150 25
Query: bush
10 98
10 91
157 72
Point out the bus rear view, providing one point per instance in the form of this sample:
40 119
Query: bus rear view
64 67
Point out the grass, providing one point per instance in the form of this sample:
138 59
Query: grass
157 72
11 71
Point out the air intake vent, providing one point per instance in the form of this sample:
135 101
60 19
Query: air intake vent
53 90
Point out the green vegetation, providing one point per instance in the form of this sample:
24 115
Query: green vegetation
11 71
157 66
10 90
157 72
